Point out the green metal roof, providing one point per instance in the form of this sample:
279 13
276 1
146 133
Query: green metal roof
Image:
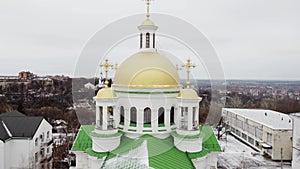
162 152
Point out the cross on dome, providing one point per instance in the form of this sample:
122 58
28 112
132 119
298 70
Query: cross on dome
188 66
106 67
148 8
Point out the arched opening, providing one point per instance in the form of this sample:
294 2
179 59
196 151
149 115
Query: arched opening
161 116
147 40
153 40
141 40
133 115
110 118
100 122
172 118
147 115
122 115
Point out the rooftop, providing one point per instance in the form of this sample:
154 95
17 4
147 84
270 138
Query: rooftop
272 119
162 152
16 124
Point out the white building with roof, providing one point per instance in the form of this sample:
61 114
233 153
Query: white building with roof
25 142
267 131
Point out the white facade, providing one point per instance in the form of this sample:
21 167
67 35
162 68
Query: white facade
296 142
28 152
264 130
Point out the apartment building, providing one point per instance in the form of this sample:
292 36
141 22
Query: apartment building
25 142
267 131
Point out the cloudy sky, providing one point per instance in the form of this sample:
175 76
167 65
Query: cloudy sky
254 39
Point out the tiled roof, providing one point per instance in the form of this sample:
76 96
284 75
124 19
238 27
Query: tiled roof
16 124
162 152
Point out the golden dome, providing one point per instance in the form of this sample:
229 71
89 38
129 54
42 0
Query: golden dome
147 70
188 94
106 93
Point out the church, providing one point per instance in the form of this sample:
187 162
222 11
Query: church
147 118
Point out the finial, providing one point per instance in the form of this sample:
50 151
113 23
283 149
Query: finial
106 67
148 8
188 66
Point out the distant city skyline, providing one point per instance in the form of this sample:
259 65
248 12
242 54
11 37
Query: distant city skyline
255 40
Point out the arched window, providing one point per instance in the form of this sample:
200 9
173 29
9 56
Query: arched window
172 118
133 115
121 115
141 40
153 40
148 40
161 115
147 115
100 122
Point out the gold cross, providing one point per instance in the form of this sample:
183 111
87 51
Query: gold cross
148 8
106 67
188 66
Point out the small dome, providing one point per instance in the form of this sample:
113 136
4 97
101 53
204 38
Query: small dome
148 24
188 94
147 70
106 93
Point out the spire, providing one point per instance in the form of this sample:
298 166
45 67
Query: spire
147 30
188 66
148 8
106 67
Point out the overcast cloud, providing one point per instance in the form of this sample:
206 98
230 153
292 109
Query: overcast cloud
254 39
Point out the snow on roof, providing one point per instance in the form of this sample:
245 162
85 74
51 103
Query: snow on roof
272 119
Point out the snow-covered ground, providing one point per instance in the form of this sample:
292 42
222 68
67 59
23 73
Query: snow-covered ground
238 155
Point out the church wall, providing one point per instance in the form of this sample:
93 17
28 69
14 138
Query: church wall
206 162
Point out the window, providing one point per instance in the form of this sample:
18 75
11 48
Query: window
245 127
121 115
141 40
48 150
259 133
238 132
269 151
36 142
239 123
251 130
269 137
147 115
244 136
36 157
172 116
148 40
161 115
153 40
133 115
250 140
48 134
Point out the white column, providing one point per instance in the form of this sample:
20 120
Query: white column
97 116
116 112
167 118
190 118
126 119
197 115
154 120
140 120
177 116
104 115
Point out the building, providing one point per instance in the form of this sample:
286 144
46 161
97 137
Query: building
296 140
267 131
25 142
146 119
